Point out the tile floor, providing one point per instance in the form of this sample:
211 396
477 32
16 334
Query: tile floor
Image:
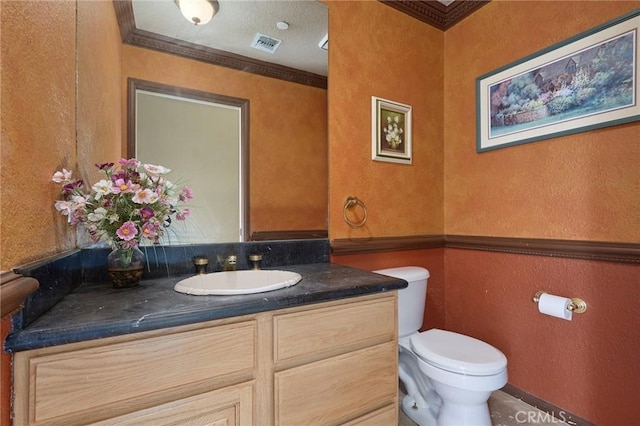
506 410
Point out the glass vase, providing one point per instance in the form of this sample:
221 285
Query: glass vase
125 267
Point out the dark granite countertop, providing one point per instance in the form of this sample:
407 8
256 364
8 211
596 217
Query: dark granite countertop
96 311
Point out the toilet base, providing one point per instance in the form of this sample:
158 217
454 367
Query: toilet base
452 414
420 415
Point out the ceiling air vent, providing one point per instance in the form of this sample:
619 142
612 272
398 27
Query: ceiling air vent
265 43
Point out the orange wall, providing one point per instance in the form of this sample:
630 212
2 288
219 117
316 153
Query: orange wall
38 126
378 51
39 123
584 186
99 110
288 135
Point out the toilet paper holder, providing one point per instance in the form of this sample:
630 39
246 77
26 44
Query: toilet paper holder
578 306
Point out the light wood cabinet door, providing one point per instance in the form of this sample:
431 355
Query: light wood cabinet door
337 389
80 386
230 406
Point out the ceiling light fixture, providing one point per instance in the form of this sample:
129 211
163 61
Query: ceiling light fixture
282 25
198 12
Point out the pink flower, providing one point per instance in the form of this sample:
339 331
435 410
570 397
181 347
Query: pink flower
129 244
63 176
186 194
127 231
149 231
133 163
104 166
120 187
183 214
146 213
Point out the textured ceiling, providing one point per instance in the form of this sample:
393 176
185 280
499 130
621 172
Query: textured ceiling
236 24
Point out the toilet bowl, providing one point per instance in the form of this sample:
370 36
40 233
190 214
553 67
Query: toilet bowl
448 376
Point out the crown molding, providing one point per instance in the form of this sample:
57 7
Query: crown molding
435 13
131 35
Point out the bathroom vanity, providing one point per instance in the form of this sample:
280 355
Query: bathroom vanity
321 352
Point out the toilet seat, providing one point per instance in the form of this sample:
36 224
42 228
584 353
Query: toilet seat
458 353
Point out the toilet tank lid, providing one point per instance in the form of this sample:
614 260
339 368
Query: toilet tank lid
407 273
458 353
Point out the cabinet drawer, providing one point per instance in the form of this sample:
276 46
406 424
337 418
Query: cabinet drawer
342 387
113 376
230 406
386 416
332 330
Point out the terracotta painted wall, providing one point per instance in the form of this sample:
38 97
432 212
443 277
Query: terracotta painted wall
588 366
5 376
288 135
584 187
431 259
378 51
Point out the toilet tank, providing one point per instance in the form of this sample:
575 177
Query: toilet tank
412 299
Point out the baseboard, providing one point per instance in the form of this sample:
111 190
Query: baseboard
545 406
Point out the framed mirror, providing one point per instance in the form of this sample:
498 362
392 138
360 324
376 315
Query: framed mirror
286 179
205 137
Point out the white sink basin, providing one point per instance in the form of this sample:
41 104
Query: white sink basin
237 282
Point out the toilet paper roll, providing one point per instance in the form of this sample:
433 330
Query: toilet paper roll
555 306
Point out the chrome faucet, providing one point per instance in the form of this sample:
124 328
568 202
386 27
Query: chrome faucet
230 263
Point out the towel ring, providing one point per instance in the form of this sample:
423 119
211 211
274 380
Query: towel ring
351 202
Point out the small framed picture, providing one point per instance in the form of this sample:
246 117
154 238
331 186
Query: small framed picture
390 131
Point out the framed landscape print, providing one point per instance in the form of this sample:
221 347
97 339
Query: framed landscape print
587 82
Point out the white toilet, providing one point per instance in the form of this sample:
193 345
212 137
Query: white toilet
448 376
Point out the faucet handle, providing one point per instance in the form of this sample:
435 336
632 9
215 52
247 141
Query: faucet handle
201 263
255 260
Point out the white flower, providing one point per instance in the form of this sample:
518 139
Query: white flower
79 202
154 170
63 207
145 196
101 188
97 215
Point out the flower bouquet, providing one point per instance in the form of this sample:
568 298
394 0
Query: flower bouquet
133 204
